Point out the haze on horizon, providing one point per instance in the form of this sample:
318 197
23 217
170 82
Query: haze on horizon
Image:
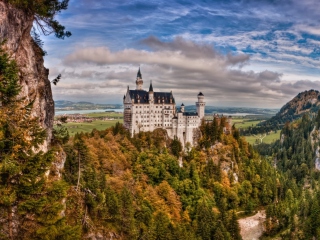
238 53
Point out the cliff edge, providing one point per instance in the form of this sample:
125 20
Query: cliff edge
15 27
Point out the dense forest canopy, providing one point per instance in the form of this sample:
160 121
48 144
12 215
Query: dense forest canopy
198 199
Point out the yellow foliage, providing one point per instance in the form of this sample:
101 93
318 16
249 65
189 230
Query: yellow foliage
225 180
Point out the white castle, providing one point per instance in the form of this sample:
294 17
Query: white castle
149 110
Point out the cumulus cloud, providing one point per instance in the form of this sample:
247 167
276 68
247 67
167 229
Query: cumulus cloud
186 68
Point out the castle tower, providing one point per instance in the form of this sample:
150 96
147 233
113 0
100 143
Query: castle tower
200 105
139 81
182 107
151 93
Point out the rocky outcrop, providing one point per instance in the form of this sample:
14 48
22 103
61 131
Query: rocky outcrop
15 27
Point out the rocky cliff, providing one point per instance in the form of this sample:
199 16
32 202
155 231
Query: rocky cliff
15 27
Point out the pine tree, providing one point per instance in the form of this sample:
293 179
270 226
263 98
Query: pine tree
234 228
205 220
161 228
176 146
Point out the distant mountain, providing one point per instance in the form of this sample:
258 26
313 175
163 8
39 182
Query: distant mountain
304 102
235 110
69 105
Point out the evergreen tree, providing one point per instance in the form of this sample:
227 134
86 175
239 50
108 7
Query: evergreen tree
205 220
176 146
161 228
234 228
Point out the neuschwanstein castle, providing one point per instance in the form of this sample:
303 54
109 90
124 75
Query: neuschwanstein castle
149 110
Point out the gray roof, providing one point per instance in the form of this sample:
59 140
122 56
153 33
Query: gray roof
190 114
144 96
151 88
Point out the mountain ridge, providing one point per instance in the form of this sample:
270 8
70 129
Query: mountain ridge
305 102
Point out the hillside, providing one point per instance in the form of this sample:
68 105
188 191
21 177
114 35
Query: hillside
304 102
296 155
146 187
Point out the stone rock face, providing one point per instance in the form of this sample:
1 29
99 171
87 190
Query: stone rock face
15 27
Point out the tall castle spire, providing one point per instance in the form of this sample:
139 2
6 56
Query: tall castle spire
151 88
139 81
139 75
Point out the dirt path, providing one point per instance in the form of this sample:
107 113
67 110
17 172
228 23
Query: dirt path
252 227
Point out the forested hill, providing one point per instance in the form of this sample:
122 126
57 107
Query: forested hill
147 187
304 102
296 155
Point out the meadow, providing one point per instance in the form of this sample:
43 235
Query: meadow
74 128
115 115
268 139
243 122
97 122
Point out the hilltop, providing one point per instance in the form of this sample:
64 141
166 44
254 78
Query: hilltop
304 102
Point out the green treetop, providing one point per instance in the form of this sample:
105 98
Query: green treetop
44 12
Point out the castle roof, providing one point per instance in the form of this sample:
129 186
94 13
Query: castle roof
190 114
139 75
150 88
144 96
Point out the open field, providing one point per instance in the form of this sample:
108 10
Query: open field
115 115
268 139
245 123
74 128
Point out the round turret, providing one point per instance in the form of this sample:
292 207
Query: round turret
200 97
182 107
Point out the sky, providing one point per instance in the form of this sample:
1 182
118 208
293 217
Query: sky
244 53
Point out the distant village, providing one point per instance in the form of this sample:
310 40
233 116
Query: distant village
81 118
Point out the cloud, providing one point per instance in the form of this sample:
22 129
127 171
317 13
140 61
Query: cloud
185 67
237 52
